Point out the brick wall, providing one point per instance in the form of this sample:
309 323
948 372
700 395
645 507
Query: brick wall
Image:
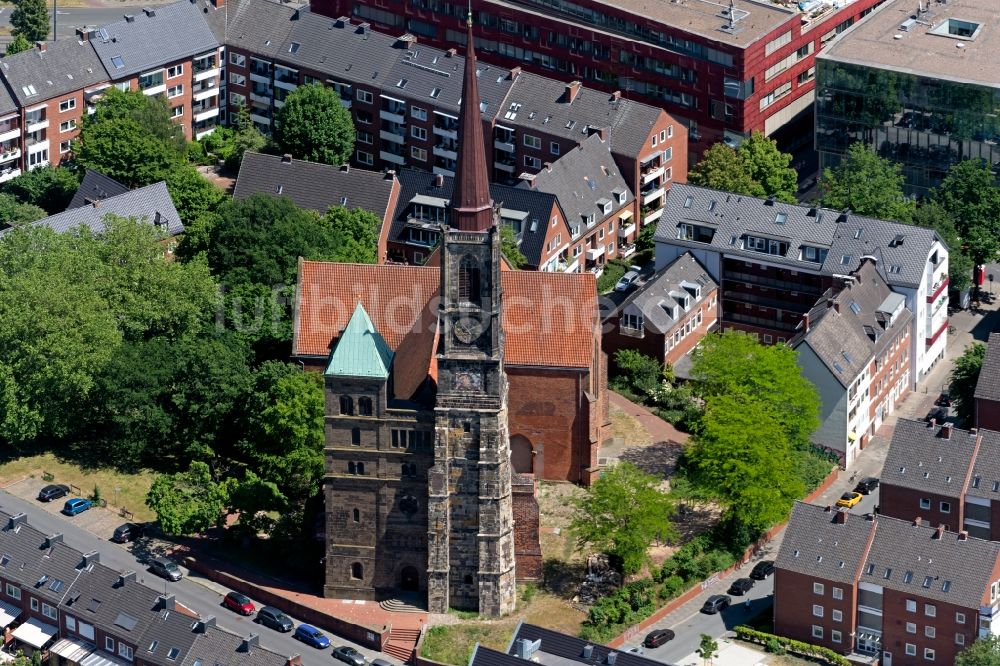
904 503
896 634
527 549
796 603
987 414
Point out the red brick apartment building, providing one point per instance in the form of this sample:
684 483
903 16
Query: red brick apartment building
722 75
667 316
987 396
903 591
404 98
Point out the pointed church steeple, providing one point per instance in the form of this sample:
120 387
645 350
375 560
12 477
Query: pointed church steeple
472 208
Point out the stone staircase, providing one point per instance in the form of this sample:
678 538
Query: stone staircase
401 644
400 606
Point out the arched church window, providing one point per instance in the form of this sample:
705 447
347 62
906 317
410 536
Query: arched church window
346 405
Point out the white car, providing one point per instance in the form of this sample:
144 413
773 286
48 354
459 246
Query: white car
628 280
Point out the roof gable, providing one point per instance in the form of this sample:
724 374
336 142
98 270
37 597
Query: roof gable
988 385
360 350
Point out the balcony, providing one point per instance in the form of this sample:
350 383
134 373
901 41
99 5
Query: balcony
502 166
626 230
444 152
942 286
595 253
210 91
36 145
35 125
9 174
261 120
626 250
9 155
392 136
393 117
652 174
648 217
506 146
205 68
445 132
10 134
206 114
202 134
598 271
260 76
441 171
932 338
262 99
392 157
278 103
652 195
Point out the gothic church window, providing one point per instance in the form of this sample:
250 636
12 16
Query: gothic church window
357 571
468 280
356 436
346 405
365 406
355 468
357 515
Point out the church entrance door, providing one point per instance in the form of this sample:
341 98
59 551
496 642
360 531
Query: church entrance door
409 579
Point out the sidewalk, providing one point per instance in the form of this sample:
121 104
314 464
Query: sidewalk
658 429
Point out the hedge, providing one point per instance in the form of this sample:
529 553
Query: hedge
799 647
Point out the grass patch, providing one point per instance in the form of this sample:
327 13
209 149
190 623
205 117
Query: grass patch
133 487
453 643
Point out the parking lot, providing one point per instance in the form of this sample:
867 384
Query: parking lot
97 520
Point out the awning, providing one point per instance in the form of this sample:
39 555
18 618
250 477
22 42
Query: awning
626 214
72 649
102 659
8 613
434 202
35 633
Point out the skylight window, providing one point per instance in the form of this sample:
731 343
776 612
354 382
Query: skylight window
847 357
927 581
172 654
512 111
870 569
29 90
780 218
5 560
838 367
118 62
401 83
996 486
435 93
294 47
687 202
846 259
888 573
895 269
855 307
152 646
908 577
945 586
712 205
859 233
56 585
94 605
975 481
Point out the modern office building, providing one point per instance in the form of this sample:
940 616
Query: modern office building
916 82
723 68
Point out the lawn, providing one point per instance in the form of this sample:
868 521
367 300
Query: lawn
132 488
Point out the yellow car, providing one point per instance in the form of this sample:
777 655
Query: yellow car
849 499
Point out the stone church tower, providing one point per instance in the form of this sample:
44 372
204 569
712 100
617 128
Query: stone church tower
470 545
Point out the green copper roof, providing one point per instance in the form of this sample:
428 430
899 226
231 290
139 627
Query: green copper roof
361 351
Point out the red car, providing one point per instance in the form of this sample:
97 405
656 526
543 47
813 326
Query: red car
239 603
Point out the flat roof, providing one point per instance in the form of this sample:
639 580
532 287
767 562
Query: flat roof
894 37
701 17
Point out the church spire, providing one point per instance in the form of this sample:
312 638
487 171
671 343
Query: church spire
472 208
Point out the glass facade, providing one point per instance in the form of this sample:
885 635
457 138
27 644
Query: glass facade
923 123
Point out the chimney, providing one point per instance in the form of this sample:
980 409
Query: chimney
17 519
616 95
572 90
83 34
438 180
126 577
93 557
250 642
599 131
219 3
167 602
844 214
204 623
939 532
933 423
345 168
612 658
841 517
828 509
973 432
836 305
588 651
96 203
390 174
363 28
870 517
918 521
963 536
946 430
149 12
53 540
805 322
294 660
40 46
405 41
130 18
286 158
769 201
548 167
450 53
514 73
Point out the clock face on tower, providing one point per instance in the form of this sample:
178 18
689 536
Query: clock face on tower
467 329
467 380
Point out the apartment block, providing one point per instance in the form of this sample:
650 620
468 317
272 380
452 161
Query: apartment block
853 345
775 260
723 71
986 410
903 591
404 99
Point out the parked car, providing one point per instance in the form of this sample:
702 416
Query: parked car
76 505
627 280
165 568
312 636
866 485
657 638
741 586
274 618
238 602
53 492
849 500
716 604
938 414
349 655
127 532
635 649
762 570
944 400
379 662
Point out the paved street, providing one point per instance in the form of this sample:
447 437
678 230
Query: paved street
199 594
73 17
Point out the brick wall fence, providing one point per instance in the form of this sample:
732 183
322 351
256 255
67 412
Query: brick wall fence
694 591
372 637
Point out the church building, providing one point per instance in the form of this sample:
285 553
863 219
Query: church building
451 389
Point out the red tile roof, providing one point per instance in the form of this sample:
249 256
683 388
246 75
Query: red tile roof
550 319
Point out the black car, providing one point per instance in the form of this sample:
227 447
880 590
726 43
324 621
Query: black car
165 568
657 638
944 400
274 618
127 532
938 414
762 570
716 604
741 586
866 485
349 655
52 492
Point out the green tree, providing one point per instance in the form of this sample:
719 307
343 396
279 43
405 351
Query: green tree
932 215
253 498
152 113
868 185
639 373
733 363
355 234
970 196
187 502
964 377
193 195
51 188
245 138
723 168
124 150
14 213
622 513
509 247
30 19
769 167
17 45
984 652
708 648
313 125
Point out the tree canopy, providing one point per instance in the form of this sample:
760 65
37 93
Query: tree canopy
722 168
17 45
964 377
30 20
14 213
983 652
868 185
970 196
51 188
187 502
932 215
509 247
757 168
622 513
313 125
